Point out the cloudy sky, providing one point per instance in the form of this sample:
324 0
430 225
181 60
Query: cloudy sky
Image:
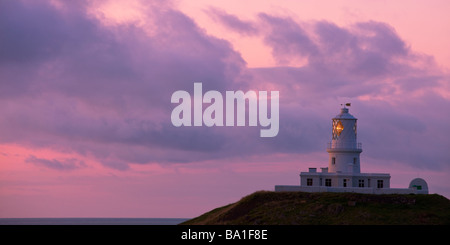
85 91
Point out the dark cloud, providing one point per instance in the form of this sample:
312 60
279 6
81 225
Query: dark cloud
233 23
76 84
69 83
400 120
30 33
287 38
381 38
117 165
60 165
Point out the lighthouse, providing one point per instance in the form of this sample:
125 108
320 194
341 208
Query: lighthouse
343 173
344 150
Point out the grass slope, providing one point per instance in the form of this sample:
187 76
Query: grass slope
300 208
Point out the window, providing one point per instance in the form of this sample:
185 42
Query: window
309 182
337 129
333 160
344 183
361 183
327 182
355 160
379 183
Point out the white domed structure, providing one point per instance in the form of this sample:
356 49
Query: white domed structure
420 185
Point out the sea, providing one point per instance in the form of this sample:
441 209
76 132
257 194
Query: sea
91 221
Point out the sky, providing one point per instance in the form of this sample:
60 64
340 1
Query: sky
85 99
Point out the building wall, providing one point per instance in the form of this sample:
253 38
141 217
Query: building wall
280 188
361 180
344 161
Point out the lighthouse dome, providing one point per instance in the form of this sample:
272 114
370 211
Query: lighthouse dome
344 114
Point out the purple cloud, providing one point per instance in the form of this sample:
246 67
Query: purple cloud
233 23
365 59
74 82
70 83
60 165
287 38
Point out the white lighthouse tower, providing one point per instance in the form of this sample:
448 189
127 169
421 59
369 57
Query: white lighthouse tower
344 149
343 173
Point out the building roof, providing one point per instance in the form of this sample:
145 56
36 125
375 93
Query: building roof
344 114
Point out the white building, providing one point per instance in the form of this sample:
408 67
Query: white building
343 173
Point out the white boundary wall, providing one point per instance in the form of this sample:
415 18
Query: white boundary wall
364 190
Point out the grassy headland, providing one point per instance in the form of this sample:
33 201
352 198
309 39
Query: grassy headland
300 208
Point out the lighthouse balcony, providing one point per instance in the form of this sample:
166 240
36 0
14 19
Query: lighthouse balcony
344 145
